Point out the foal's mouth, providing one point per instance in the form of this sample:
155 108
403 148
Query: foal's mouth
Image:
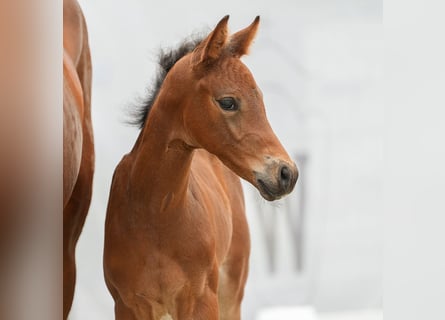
276 181
268 192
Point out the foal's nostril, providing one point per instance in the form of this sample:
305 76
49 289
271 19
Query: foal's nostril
285 173
285 177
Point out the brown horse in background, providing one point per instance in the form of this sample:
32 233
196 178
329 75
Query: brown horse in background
78 148
176 237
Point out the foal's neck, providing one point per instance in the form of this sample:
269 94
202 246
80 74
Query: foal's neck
160 174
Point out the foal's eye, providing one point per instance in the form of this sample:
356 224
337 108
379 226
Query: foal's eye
228 104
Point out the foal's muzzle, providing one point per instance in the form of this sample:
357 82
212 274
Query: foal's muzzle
276 180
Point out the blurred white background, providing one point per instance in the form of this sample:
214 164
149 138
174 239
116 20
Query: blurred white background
318 253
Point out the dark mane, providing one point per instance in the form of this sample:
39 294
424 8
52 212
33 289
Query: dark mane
166 60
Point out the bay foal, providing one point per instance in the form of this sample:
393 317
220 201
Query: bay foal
176 237
78 148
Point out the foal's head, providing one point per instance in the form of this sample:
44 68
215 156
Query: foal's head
223 111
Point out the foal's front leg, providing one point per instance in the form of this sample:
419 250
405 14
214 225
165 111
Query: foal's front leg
201 305
122 312
206 307
234 270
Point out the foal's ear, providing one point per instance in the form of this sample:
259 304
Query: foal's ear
212 47
240 42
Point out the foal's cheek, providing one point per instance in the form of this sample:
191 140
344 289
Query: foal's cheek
235 126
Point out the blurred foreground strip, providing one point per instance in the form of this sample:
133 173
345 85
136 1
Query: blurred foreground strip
30 159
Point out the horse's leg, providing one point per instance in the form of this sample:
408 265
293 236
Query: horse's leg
70 235
234 270
69 278
74 215
73 220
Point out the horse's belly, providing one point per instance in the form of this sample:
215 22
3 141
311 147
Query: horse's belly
73 109
72 144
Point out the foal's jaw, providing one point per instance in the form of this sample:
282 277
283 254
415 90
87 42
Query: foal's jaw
276 179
